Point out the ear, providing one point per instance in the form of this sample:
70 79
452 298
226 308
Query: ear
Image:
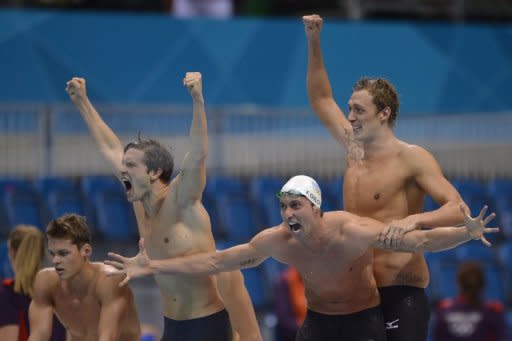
155 174
86 250
384 114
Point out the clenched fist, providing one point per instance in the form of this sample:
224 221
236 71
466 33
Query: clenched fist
192 82
76 89
312 24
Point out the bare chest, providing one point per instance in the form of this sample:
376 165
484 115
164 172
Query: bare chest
370 187
78 314
174 233
332 276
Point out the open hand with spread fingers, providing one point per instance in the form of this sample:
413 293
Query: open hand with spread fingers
133 267
477 226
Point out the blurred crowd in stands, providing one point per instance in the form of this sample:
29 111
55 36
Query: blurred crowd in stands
451 10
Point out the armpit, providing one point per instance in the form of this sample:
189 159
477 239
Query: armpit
355 151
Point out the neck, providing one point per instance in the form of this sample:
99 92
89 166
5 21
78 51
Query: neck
379 143
81 280
153 201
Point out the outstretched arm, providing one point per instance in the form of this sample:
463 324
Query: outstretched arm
319 90
235 258
192 178
443 238
108 143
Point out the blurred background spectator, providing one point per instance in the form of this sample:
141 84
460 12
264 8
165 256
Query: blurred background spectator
290 304
451 10
469 316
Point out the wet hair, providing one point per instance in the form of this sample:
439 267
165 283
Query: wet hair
384 95
27 244
156 156
471 281
71 227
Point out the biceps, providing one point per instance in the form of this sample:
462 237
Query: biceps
192 180
41 319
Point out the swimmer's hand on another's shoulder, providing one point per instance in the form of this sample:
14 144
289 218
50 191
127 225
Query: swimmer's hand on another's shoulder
133 267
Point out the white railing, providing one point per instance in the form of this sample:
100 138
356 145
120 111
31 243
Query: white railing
245 140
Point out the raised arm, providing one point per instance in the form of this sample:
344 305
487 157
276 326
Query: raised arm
444 238
235 258
192 178
319 89
41 310
239 306
108 143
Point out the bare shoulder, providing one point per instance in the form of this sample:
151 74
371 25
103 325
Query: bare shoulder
48 275
412 151
338 218
106 284
271 237
415 156
350 225
46 281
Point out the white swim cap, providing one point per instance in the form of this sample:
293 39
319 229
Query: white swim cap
303 185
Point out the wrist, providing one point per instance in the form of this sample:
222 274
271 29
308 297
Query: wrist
152 266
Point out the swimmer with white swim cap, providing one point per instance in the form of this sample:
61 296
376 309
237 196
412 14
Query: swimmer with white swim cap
326 248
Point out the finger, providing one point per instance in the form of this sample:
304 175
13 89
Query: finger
385 231
116 265
485 241
397 242
490 217
463 209
142 247
124 281
117 257
387 243
491 230
482 212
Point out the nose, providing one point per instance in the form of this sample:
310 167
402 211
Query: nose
55 260
351 116
288 213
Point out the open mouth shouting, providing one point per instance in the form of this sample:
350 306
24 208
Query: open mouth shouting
294 227
127 184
